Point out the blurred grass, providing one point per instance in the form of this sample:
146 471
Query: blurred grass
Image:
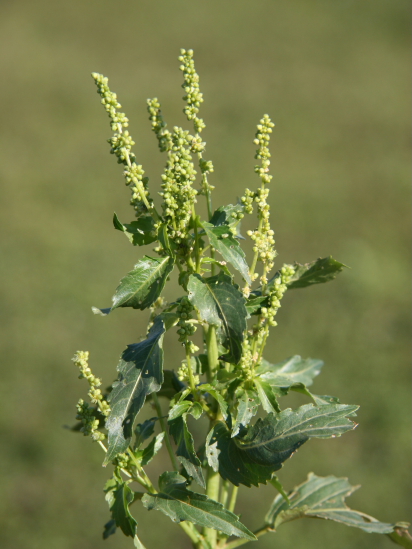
334 78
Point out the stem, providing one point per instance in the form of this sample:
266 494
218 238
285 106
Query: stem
191 531
212 351
212 491
224 492
197 252
164 429
189 369
233 498
239 542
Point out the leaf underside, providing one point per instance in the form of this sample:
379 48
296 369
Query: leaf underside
324 497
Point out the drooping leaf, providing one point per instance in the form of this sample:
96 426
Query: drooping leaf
247 407
324 497
140 232
221 304
178 428
119 496
315 272
253 456
290 371
140 373
179 503
223 241
142 286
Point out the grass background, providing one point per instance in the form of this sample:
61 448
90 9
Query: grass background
334 76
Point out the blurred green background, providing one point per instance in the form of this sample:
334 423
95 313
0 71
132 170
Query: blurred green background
334 76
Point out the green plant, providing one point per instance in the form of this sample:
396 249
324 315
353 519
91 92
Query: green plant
223 377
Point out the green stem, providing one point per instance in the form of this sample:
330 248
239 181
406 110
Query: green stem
224 492
164 429
212 351
233 497
197 251
212 491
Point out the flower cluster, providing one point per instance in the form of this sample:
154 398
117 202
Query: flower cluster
178 194
193 96
159 126
87 415
264 242
85 412
185 328
262 138
276 293
121 146
184 375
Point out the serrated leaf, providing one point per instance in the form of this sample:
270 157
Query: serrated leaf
267 396
254 456
223 241
179 503
142 286
206 387
247 407
290 371
119 496
185 451
324 497
140 373
151 449
315 272
140 232
143 431
221 304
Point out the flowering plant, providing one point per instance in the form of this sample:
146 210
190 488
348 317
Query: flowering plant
225 377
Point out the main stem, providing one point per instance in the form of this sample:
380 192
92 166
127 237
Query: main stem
213 478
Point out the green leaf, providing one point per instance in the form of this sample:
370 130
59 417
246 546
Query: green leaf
207 388
179 503
267 396
119 496
140 232
145 456
290 371
316 272
109 529
221 304
142 286
140 373
223 241
143 431
324 497
247 407
228 215
252 457
255 302
185 451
